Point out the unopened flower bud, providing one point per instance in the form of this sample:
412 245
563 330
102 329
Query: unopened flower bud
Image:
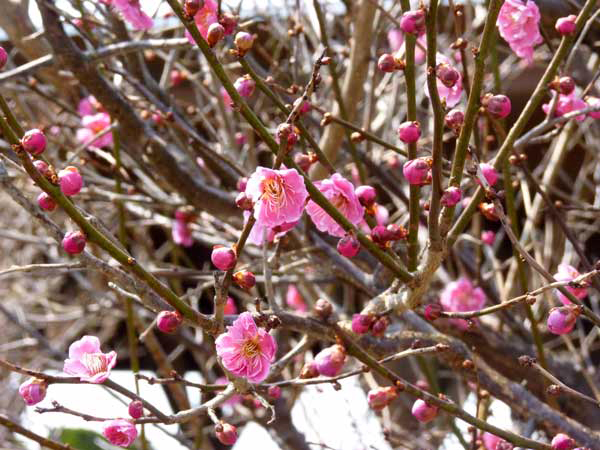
245 86
447 74
304 161
348 246
432 312
214 34
562 442
451 196
191 7
3 57
244 279
136 409
361 323
396 232
306 106
177 77
424 412
489 211
41 167
274 392
497 106
229 23
168 321
74 242
566 25
488 237
387 63
70 181
366 195
323 309
380 235
243 42
489 173
224 258
33 390
46 202
309 370
381 397
244 202
380 325
566 85
330 360
454 119
561 320
409 132
413 22
34 141
241 184
226 433
417 171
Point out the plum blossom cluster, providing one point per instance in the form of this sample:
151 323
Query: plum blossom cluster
518 24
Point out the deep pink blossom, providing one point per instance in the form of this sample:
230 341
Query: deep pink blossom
294 299
279 196
488 237
462 296
204 18
92 125
246 350
518 23
131 11
87 361
340 192
562 442
567 272
119 432
567 104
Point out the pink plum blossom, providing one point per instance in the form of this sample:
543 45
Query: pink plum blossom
518 23
256 235
131 11
279 196
246 350
87 361
204 18
567 272
119 432
340 192
567 104
462 296
92 125
294 299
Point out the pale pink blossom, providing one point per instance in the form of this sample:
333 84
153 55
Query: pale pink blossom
257 235
87 361
279 196
93 125
567 272
397 45
131 11
119 432
567 104
340 192
462 296
204 18
88 106
451 95
294 299
182 233
246 350
518 23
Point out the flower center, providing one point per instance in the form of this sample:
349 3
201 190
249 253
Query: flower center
339 201
251 348
97 127
274 192
95 362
